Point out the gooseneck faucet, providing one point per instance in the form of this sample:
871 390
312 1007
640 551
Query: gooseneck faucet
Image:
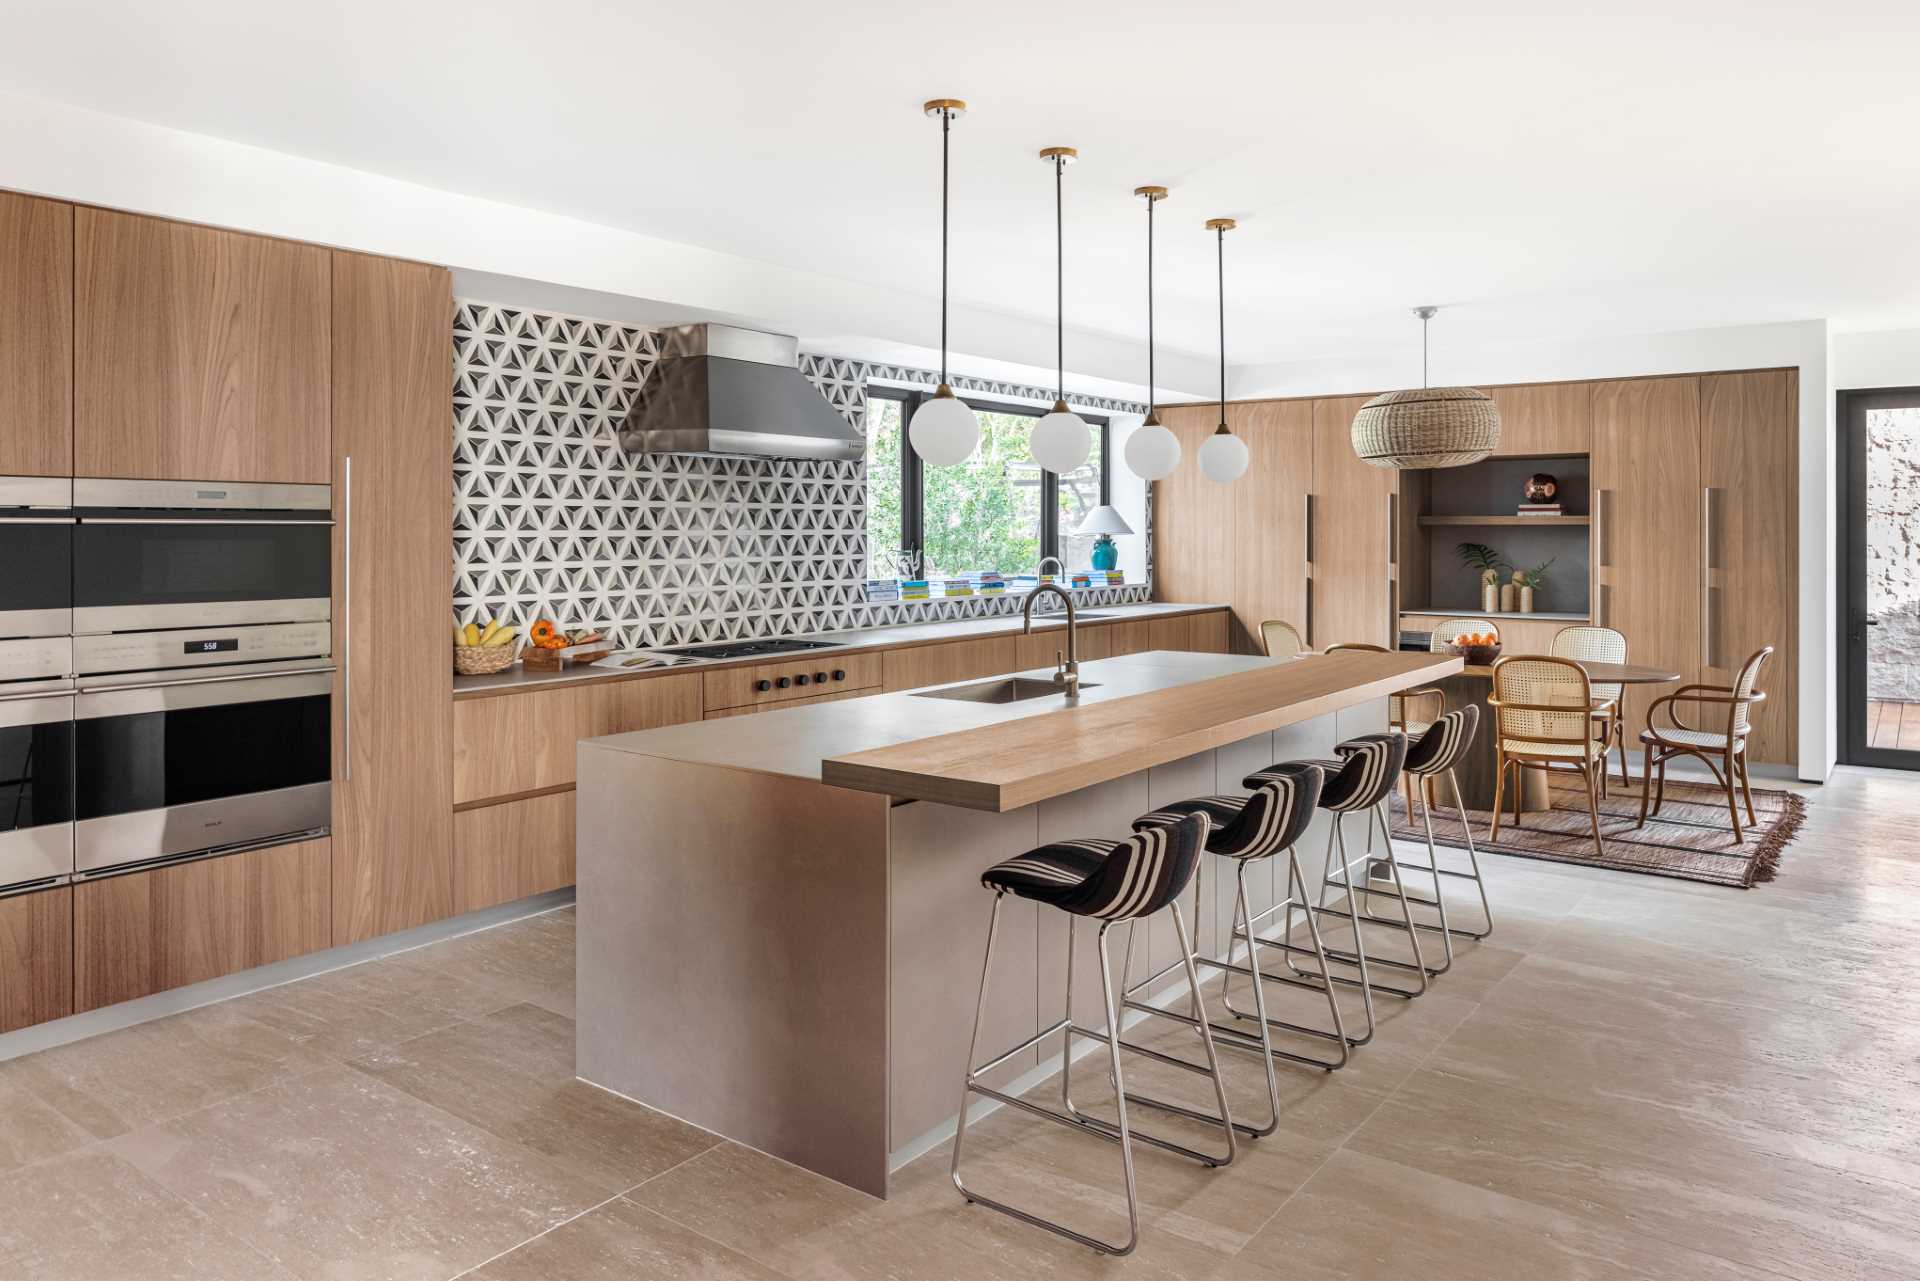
1067 675
1041 568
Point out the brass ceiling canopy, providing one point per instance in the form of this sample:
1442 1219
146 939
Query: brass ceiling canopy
1429 428
1221 224
954 107
1065 155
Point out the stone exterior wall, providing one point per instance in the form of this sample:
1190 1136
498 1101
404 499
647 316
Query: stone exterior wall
1893 554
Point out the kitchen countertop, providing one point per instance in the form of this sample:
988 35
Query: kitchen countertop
517 679
1134 712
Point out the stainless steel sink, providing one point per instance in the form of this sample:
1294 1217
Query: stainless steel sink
1007 689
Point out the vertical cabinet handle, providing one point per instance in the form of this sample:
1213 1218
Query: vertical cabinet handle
1707 647
1600 561
346 619
1393 576
1306 568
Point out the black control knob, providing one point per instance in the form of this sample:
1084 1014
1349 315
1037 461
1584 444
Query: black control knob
820 678
763 686
839 675
801 679
783 682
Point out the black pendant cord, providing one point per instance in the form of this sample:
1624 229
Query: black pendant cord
946 126
1220 234
1059 278
1150 203
1425 323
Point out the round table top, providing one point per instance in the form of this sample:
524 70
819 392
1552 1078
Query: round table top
1604 673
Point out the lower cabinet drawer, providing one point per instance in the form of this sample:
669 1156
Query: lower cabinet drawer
146 932
790 679
36 957
724 712
509 851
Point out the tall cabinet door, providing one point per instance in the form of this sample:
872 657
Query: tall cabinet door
393 595
199 354
1270 527
1192 518
36 337
1350 534
1647 491
1749 467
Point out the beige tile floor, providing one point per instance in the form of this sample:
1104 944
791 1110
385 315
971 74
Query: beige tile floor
1634 1078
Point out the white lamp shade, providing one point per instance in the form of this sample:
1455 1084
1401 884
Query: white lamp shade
944 431
1223 458
1152 452
1104 520
1061 442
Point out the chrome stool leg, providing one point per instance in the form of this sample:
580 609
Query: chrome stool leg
1359 957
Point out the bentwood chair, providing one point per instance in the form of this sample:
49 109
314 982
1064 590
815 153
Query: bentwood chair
1727 742
1543 719
1107 882
1280 640
1600 645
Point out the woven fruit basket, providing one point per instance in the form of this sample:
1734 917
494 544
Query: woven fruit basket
483 660
1478 655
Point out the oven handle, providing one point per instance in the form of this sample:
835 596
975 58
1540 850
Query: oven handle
326 669
190 520
135 700
37 520
21 711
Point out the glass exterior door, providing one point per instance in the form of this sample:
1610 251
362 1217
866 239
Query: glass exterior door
1881 531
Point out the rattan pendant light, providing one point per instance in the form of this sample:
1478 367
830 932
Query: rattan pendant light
1428 428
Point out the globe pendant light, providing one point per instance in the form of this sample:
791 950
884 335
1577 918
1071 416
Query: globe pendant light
1152 452
1223 455
1432 427
1061 441
944 430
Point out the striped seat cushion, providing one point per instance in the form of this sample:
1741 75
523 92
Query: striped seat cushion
1247 827
1445 741
1111 880
1369 767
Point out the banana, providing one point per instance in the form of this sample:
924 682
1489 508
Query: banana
459 632
502 636
471 635
492 629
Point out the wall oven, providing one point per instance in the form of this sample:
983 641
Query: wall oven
36 583
36 790
152 554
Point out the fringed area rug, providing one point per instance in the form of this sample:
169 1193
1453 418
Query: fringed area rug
1691 839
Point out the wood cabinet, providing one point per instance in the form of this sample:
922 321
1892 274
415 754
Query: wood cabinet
791 678
392 399
146 932
1348 537
1269 518
1647 493
511 744
507 852
922 665
36 957
1038 648
721 713
1750 589
1193 525
36 337
1205 633
199 354
1544 418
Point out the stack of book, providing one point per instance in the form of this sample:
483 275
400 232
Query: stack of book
915 589
956 587
1110 577
1027 582
1540 509
1080 580
883 590
989 583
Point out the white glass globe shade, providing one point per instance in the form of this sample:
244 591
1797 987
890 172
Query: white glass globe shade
1223 458
1152 452
1061 442
944 431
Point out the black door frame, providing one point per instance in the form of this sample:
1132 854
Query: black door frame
1851 502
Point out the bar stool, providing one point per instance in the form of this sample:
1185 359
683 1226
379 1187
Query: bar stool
1109 882
1433 754
1360 781
1247 829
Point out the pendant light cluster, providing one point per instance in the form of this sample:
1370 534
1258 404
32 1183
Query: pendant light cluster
1429 428
945 430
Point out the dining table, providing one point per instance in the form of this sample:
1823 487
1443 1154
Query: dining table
1477 769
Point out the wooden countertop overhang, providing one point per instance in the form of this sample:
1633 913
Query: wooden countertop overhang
1020 762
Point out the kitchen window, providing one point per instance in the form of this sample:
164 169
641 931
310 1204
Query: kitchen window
998 510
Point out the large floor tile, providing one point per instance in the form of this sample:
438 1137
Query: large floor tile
31 1128
92 1217
511 1074
362 1008
528 960
336 1176
620 1241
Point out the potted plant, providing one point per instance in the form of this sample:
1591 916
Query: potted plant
1528 579
1489 562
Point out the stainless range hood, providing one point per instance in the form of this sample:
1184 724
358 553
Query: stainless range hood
721 390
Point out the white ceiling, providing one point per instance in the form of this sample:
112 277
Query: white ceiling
1636 166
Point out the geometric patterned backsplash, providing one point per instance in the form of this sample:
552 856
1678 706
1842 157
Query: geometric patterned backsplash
553 519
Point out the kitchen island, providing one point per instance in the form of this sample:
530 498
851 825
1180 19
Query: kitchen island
780 916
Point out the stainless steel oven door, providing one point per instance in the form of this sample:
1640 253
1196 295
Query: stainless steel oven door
186 766
36 789
173 554
36 556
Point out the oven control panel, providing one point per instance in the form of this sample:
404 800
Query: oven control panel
36 658
200 647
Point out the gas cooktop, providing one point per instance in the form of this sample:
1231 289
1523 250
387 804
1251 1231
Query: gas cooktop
748 649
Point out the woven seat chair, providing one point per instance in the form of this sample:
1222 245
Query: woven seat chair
1280 640
1543 719
1727 743
1601 645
